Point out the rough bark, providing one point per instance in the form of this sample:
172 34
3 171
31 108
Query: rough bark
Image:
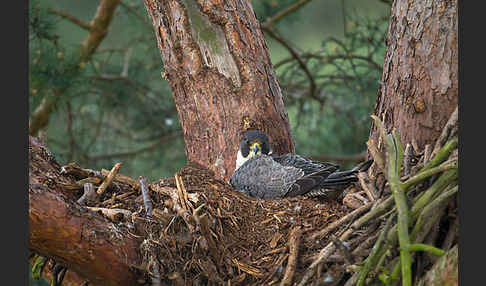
419 88
81 240
218 66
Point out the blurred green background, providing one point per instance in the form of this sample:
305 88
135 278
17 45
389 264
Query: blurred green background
99 120
102 118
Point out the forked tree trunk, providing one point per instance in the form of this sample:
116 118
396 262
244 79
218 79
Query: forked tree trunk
419 88
217 63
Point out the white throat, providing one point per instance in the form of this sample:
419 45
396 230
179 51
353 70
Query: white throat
240 160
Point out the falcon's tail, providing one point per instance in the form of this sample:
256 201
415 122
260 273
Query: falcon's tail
343 178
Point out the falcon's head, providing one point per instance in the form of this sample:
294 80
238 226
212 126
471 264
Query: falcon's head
253 142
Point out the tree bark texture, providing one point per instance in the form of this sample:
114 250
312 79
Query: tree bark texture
419 88
218 66
81 240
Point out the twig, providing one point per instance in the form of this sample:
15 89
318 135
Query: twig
442 155
109 178
271 32
449 130
368 187
342 221
394 161
89 195
182 192
427 153
99 28
407 159
422 175
443 181
376 252
71 18
348 258
281 14
294 242
126 62
376 154
146 198
427 248
323 255
149 148
113 214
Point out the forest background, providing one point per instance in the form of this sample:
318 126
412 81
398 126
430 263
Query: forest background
117 107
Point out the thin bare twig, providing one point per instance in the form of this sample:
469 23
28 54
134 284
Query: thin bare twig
71 18
109 178
281 14
271 32
341 221
146 198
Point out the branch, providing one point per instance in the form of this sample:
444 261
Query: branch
281 14
135 152
99 28
270 31
71 18
294 242
72 235
40 117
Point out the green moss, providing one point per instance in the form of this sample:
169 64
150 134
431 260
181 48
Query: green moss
202 29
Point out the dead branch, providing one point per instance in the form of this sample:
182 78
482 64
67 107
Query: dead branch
109 178
294 242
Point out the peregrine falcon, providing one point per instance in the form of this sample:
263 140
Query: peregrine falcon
259 173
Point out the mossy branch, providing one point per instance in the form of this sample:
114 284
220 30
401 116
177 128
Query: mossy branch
376 252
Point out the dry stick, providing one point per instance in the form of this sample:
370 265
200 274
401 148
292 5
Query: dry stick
323 255
348 258
427 153
113 213
109 178
89 195
342 221
375 153
368 187
407 159
449 130
176 200
146 198
181 190
294 242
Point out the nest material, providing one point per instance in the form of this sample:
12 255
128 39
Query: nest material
203 232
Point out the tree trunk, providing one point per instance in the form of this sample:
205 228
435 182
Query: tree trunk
217 63
419 88
81 240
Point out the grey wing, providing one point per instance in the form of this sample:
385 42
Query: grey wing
264 178
306 165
